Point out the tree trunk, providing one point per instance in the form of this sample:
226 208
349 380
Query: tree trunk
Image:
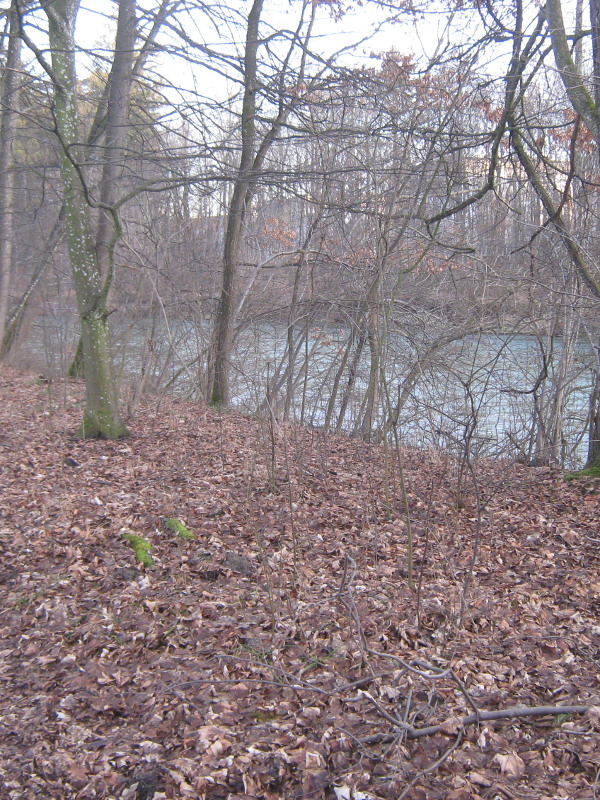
588 106
593 459
252 160
223 338
8 124
101 415
371 397
335 388
361 339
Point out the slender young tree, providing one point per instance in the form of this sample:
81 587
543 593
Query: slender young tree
288 91
528 30
9 109
237 210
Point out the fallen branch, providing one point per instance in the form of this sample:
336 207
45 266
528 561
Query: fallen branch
514 712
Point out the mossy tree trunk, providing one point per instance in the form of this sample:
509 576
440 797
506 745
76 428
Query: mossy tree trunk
101 417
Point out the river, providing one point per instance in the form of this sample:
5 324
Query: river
477 391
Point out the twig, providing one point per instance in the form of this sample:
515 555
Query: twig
347 582
503 790
296 683
361 682
361 745
432 672
234 681
397 723
347 598
464 692
424 556
401 735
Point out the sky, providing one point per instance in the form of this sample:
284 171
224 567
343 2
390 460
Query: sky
94 28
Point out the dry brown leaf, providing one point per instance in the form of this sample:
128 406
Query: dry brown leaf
478 779
510 764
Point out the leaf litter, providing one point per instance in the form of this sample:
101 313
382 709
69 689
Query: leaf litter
281 652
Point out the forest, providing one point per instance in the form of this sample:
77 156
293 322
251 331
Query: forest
300 399
360 240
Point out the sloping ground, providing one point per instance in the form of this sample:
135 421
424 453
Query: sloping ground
282 653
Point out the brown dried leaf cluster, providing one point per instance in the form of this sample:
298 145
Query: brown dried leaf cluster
240 664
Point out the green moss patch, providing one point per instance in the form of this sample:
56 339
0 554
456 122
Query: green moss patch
590 472
141 548
180 528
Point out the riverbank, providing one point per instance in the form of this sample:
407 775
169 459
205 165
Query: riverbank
267 657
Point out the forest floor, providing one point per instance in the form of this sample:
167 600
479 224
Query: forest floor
282 653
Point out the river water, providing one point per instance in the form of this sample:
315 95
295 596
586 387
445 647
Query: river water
476 390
